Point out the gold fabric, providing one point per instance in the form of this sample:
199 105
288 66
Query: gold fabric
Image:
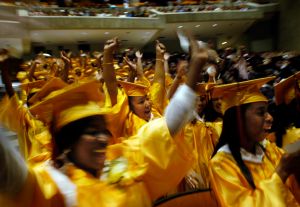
32 87
47 87
235 94
232 189
216 125
68 104
203 88
203 139
285 90
132 124
151 157
292 135
144 81
134 89
33 136
117 114
158 93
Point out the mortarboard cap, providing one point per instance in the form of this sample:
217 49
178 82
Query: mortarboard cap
134 89
285 90
235 94
71 103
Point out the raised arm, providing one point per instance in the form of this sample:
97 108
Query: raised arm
109 75
180 109
67 65
166 62
181 71
33 66
139 65
159 75
132 69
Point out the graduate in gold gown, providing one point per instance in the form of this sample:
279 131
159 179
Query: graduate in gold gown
213 113
247 169
84 171
33 136
287 98
204 139
139 105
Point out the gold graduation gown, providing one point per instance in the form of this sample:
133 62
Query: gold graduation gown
117 115
232 189
33 136
132 124
127 122
158 93
139 170
292 135
217 125
203 139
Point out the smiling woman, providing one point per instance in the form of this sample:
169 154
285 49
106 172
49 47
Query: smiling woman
247 170
84 142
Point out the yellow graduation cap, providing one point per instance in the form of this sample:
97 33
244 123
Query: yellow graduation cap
285 91
134 89
52 85
69 104
235 94
203 88
33 87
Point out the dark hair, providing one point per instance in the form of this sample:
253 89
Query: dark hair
210 113
69 134
130 100
232 130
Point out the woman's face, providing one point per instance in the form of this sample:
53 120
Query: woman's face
89 151
201 103
255 116
217 104
141 106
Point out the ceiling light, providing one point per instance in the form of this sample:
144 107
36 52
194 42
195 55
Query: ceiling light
214 25
179 27
198 25
224 43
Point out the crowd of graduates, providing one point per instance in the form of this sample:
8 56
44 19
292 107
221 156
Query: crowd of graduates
116 130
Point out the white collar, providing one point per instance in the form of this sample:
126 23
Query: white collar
247 156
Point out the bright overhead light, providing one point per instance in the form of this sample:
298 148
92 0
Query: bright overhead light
214 25
106 33
9 21
179 27
224 43
198 25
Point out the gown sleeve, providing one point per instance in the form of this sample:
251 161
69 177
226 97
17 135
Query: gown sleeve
33 136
